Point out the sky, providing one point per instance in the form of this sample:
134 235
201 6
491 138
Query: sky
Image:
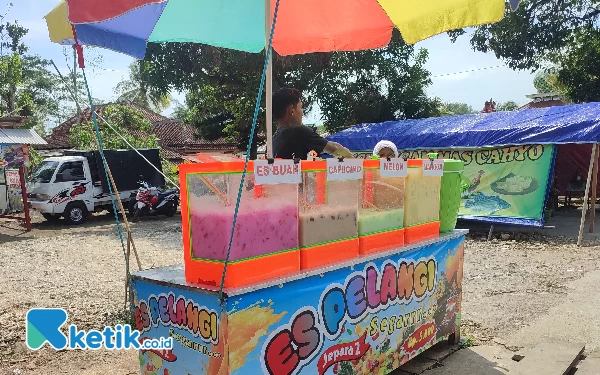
459 74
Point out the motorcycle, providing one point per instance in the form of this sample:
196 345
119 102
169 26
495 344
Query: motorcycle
150 201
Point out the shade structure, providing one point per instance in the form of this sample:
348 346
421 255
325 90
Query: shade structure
302 27
59 28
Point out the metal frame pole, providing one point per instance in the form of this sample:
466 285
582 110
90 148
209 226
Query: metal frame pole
585 198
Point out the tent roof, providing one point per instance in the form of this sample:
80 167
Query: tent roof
577 123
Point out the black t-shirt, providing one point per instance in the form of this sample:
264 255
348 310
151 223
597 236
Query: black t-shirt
297 141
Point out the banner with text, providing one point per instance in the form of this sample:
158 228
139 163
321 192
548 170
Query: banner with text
368 319
508 184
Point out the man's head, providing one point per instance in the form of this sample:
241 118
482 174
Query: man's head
287 106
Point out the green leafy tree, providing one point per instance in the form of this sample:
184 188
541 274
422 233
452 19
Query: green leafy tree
542 33
536 31
456 109
579 75
543 80
507 106
11 64
135 89
180 111
27 87
374 86
221 85
349 87
129 122
11 77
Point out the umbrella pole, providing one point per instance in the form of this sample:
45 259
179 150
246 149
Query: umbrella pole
269 82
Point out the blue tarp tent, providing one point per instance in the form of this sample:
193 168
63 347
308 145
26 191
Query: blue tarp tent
578 123
573 128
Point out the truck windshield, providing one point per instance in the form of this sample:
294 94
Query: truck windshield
44 172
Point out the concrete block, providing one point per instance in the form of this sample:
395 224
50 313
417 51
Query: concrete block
480 360
548 358
589 366
440 351
416 366
594 354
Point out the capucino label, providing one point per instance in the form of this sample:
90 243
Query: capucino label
347 169
279 172
433 168
393 168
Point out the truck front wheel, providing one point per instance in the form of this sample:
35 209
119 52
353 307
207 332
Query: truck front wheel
75 213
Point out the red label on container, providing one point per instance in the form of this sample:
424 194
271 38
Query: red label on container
343 352
420 338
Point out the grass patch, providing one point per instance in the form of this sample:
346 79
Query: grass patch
467 343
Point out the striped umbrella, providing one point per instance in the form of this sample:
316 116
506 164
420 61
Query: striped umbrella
303 26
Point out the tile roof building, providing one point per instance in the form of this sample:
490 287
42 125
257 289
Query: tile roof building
175 138
543 101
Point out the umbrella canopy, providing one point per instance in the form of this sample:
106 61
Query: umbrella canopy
302 27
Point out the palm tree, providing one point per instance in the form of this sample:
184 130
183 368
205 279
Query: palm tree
135 89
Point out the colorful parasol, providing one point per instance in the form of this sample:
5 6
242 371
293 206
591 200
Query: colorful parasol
302 27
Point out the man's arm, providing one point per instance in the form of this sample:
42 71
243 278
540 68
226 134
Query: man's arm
336 149
313 141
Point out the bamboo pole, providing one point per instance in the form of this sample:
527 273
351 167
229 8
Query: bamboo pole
122 210
127 261
594 188
112 182
585 198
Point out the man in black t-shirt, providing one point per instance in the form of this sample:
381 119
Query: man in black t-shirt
292 139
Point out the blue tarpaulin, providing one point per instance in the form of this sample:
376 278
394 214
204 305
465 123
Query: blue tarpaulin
577 123
561 125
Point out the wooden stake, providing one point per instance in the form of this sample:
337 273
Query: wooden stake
594 187
126 269
122 210
587 191
112 182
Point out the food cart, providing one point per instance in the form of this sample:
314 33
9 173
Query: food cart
360 313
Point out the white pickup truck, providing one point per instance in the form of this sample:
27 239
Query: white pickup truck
75 185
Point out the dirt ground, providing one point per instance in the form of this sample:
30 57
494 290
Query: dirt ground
508 283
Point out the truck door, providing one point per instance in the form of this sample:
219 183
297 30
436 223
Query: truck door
72 183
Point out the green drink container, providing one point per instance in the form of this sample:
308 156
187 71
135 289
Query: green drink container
450 194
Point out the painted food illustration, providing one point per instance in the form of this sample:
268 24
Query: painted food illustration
487 204
380 358
512 184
